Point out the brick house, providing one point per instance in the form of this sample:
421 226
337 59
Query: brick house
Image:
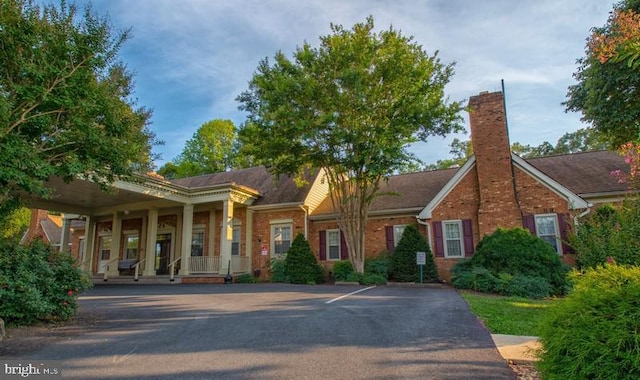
237 221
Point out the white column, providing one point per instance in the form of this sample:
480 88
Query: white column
211 233
64 236
226 236
187 232
89 244
248 241
116 232
152 234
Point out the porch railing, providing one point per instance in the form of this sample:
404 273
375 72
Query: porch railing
107 267
137 269
240 264
204 264
172 268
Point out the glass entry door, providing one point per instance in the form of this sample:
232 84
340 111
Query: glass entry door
163 253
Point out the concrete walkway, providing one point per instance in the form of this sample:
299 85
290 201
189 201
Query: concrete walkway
517 349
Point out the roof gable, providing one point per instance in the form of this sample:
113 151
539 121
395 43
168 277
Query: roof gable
574 201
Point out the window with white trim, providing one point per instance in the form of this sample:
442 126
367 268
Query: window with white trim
333 244
131 247
235 241
452 233
280 239
197 242
547 230
398 230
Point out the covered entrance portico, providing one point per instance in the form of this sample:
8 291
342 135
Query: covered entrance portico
153 227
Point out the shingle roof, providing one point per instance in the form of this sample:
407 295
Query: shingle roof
584 173
272 190
404 191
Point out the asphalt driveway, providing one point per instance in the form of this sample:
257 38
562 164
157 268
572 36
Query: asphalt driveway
272 331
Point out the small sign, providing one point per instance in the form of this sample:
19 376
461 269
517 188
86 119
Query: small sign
265 250
421 258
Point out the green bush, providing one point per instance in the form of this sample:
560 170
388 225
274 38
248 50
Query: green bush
608 232
278 272
593 333
379 265
525 286
342 270
372 279
515 251
476 278
404 266
245 278
38 283
301 264
513 262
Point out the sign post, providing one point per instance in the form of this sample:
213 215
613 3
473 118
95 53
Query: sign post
421 260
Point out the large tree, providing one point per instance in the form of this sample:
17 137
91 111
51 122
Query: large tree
352 106
66 106
607 92
211 149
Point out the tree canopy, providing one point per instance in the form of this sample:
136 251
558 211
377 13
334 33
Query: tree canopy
607 92
66 105
352 106
211 149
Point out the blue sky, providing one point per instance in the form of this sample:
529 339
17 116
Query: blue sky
192 58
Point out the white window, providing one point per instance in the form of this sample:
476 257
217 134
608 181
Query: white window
397 234
197 242
547 230
452 231
333 244
235 241
131 248
280 239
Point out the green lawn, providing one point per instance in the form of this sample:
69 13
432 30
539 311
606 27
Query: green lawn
507 315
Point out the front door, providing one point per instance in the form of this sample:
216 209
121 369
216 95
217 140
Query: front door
163 252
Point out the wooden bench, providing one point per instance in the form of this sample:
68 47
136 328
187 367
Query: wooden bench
126 265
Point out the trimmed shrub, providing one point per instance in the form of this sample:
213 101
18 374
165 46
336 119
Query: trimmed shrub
404 266
379 265
245 278
525 286
592 333
608 232
278 270
301 264
515 251
476 278
38 283
373 279
342 270
513 262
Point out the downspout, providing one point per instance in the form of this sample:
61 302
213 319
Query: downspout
305 208
428 228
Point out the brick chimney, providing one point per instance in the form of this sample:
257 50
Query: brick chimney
490 139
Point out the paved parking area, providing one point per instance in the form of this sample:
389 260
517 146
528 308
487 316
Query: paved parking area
274 331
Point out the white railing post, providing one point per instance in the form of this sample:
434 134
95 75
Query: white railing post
172 268
137 269
106 269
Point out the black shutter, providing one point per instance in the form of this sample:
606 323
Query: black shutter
390 241
467 233
438 238
529 222
344 251
323 245
565 227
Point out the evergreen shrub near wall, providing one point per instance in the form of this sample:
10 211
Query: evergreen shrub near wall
38 283
301 264
594 332
404 267
515 263
342 270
